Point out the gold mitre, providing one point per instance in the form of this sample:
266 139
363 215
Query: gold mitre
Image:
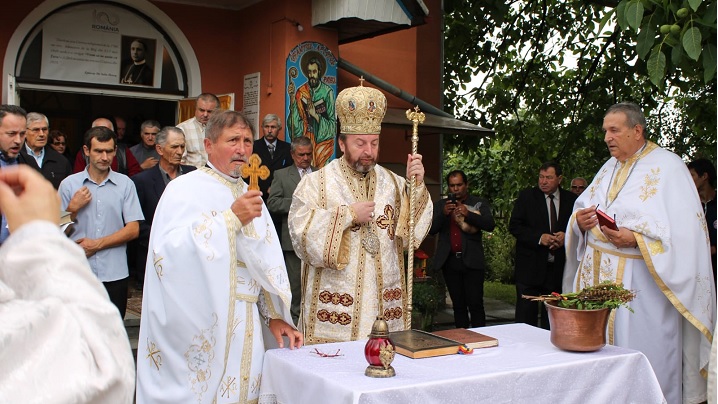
360 110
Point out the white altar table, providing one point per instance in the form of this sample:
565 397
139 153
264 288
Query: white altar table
524 368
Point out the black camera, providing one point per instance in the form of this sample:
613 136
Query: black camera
452 198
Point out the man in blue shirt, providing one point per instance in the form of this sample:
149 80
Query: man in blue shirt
12 136
107 212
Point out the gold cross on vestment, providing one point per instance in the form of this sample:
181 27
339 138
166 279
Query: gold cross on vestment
254 169
387 221
153 354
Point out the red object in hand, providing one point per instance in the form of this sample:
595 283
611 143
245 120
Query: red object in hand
605 220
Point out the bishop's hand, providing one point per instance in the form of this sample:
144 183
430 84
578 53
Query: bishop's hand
414 167
248 206
364 211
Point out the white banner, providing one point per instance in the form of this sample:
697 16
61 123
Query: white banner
101 44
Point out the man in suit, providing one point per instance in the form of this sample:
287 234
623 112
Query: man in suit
275 154
538 222
151 183
280 199
37 154
459 220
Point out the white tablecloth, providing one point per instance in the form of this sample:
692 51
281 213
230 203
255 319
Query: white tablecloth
524 368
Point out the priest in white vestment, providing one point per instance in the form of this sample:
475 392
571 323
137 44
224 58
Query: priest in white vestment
214 274
61 340
661 251
349 223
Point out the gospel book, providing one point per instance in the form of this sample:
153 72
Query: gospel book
471 339
420 344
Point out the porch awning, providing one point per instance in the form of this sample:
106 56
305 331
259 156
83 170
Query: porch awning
434 124
359 19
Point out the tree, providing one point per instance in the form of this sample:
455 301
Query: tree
548 69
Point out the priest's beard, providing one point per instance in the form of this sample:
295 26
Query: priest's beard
362 165
236 172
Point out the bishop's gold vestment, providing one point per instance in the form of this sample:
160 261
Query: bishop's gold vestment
346 286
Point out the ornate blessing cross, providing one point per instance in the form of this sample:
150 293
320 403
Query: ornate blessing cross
254 169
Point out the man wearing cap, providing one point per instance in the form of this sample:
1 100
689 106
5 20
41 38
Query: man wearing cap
349 223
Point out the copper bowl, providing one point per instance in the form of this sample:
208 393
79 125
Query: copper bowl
577 330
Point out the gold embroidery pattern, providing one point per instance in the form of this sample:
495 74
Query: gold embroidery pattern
228 387
655 247
233 280
392 294
703 223
204 230
597 183
268 238
703 289
650 184
247 348
606 270
157 262
199 357
249 231
153 354
394 313
344 299
387 221
334 317
256 383
333 238
358 291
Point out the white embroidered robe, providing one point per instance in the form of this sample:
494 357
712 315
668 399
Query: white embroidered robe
61 339
653 195
344 287
207 279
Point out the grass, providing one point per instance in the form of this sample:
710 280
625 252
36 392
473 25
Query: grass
500 291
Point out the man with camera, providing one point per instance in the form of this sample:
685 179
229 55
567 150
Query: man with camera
459 220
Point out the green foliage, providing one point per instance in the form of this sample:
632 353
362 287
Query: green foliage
427 299
499 253
606 295
500 291
687 30
543 73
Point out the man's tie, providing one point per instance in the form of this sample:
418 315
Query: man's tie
554 218
301 173
271 151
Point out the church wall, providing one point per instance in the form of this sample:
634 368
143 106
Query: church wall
230 44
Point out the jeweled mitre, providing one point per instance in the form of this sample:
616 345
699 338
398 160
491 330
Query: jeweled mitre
360 110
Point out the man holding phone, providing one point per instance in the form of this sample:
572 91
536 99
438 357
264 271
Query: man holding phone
459 220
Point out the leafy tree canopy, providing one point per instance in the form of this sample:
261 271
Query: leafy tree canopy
547 71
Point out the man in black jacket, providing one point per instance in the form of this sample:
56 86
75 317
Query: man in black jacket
540 254
459 221
38 155
275 154
151 183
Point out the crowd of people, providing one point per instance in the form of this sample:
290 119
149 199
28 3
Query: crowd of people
316 254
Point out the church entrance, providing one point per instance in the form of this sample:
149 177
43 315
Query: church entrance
73 113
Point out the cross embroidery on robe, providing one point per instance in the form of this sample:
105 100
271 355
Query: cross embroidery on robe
387 221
